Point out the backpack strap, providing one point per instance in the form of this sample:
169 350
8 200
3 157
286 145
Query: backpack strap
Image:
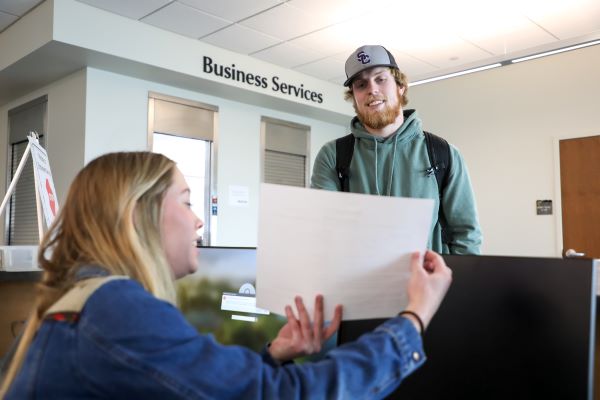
438 151
344 149
69 306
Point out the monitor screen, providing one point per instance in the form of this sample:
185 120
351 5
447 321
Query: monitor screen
509 328
220 298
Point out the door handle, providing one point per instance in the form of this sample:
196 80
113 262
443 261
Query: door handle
571 253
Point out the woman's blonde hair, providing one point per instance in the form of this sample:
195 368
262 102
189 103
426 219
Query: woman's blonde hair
111 218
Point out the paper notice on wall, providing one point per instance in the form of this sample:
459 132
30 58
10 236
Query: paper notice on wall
239 196
45 184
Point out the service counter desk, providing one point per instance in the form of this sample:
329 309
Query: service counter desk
509 328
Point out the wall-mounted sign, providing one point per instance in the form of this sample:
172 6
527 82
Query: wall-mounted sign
239 196
260 80
543 207
45 184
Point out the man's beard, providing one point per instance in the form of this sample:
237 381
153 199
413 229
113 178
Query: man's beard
379 119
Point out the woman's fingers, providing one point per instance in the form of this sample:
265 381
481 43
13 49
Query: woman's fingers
289 313
305 325
293 322
318 322
334 324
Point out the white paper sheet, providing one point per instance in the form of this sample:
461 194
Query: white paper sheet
354 249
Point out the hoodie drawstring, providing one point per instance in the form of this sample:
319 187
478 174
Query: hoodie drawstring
376 173
392 168
389 189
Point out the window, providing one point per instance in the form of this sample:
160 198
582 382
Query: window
21 216
184 131
285 146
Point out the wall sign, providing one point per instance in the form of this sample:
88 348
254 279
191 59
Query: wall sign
239 196
543 207
45 184
260 80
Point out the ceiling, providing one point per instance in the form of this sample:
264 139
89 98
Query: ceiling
429 38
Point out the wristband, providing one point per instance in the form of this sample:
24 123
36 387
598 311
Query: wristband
414 314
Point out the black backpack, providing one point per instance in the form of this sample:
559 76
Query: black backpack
438 151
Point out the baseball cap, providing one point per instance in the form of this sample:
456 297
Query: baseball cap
366 57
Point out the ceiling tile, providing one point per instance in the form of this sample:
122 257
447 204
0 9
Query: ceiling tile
448 51
329 40
232 10
322 33
326 68
334 11
568 19
185 20
240 39
6 20
410 65
287 55
135 9
17 7
502 36
366 29
284 22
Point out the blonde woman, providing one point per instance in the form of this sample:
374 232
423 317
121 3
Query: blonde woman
105 326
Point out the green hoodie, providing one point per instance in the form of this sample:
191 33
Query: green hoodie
395 166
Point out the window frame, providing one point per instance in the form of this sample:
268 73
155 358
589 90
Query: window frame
210 188
263 145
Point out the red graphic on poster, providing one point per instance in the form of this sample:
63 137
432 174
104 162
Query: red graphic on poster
51 197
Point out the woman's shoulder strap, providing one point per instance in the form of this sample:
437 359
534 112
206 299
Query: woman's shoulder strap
74 300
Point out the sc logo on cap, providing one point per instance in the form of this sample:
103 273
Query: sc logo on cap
363 57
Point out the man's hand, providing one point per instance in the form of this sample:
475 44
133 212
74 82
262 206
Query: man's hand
428 284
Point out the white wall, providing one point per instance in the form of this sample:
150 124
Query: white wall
66 126
116 119
116 114
507 122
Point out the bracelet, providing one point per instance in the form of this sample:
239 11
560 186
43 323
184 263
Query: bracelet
414 314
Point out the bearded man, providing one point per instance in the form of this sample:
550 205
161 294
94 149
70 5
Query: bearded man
390 155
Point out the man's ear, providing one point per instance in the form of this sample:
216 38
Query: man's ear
401 90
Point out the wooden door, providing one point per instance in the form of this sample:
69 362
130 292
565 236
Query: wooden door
580 194
580 197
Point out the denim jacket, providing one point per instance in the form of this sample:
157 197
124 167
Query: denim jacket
129 344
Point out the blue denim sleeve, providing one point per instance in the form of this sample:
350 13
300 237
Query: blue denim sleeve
145 348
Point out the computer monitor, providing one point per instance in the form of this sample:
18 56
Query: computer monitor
220 298
509 328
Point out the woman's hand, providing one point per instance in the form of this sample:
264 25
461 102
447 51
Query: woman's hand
299 337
